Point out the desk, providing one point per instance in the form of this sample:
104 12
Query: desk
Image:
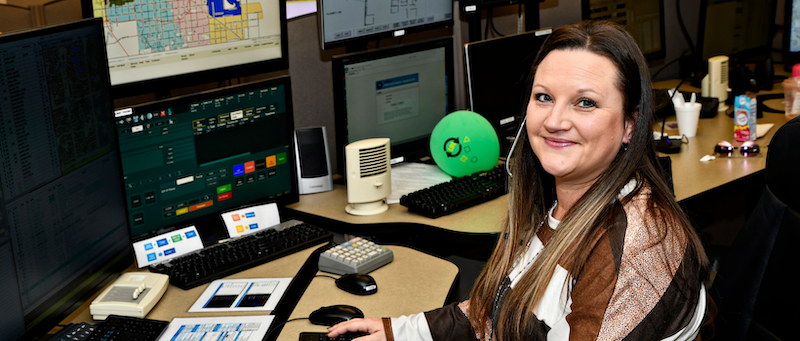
690 178
414 282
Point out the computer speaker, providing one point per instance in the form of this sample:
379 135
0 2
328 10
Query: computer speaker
313 162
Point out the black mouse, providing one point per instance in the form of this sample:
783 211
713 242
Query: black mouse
358 284
330 315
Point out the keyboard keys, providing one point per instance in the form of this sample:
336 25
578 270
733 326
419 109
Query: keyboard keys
458 194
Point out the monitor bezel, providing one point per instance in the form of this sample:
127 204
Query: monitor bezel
410 150
375 36
652 56
163 85
210 225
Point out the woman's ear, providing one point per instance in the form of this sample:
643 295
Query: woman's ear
630 125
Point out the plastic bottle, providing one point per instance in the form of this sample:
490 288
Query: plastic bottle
791 92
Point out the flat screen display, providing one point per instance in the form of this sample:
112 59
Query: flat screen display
186 159
398 92
643 19
343 21
63 232
163 44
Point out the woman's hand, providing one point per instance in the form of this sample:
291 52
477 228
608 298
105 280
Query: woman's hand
370 325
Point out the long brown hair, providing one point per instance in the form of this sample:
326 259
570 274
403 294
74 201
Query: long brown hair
533 191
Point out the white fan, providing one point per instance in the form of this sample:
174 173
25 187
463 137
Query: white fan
369 176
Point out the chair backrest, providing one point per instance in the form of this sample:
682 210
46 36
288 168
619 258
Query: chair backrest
13 18
783 164
753 288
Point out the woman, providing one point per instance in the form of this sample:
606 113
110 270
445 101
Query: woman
595 246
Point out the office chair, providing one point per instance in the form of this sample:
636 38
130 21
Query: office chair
753 290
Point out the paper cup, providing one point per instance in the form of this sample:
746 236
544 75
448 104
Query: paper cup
688 115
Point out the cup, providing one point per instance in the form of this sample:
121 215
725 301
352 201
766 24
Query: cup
688 115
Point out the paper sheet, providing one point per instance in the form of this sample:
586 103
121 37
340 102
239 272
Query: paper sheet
762 129
239 328
252 294
411 177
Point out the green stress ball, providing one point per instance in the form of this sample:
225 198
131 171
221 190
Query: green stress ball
463 143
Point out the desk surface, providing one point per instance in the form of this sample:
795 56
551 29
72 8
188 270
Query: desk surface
690 179
414 282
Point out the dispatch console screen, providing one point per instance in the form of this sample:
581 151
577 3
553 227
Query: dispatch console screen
193 156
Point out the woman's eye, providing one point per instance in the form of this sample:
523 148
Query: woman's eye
543 98
586 103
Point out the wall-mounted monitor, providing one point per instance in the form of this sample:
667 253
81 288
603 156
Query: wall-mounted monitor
399 92
186 159
497 72
347 21
738 29
63 233
154 46
643 19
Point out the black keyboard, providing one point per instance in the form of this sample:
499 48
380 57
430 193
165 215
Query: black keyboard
458 194
229 257
114 328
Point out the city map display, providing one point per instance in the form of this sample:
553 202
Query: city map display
148 39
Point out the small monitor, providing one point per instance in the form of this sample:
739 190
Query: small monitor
342 22
157 46
643 19
738 29
186 159
63 233
399 92
498 71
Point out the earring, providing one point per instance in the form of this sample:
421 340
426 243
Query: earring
625 147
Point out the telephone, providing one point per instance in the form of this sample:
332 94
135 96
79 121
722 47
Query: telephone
132 294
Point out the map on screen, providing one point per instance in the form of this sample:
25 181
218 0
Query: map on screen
150 39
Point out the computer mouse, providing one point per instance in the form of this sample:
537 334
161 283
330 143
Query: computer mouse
330 315
359 284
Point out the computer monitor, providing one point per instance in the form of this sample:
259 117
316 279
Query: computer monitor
399 92
791 32
643 19
497 72
345 22
155 46
63 234
739 29
187 159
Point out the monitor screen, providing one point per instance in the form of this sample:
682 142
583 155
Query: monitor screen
186 159
160 45
497 79
399 92
643 19
791 24
342 21
739 29
63 233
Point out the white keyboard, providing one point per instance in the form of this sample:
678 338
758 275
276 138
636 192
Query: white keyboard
356 255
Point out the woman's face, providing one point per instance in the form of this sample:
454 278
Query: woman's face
575 121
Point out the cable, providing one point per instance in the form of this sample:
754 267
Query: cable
491 23
683 26
325 276
653 77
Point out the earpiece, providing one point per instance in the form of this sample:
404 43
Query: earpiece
514 145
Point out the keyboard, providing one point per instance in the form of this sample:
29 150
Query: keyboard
355 256
314 336
114 328
232 256
458 194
